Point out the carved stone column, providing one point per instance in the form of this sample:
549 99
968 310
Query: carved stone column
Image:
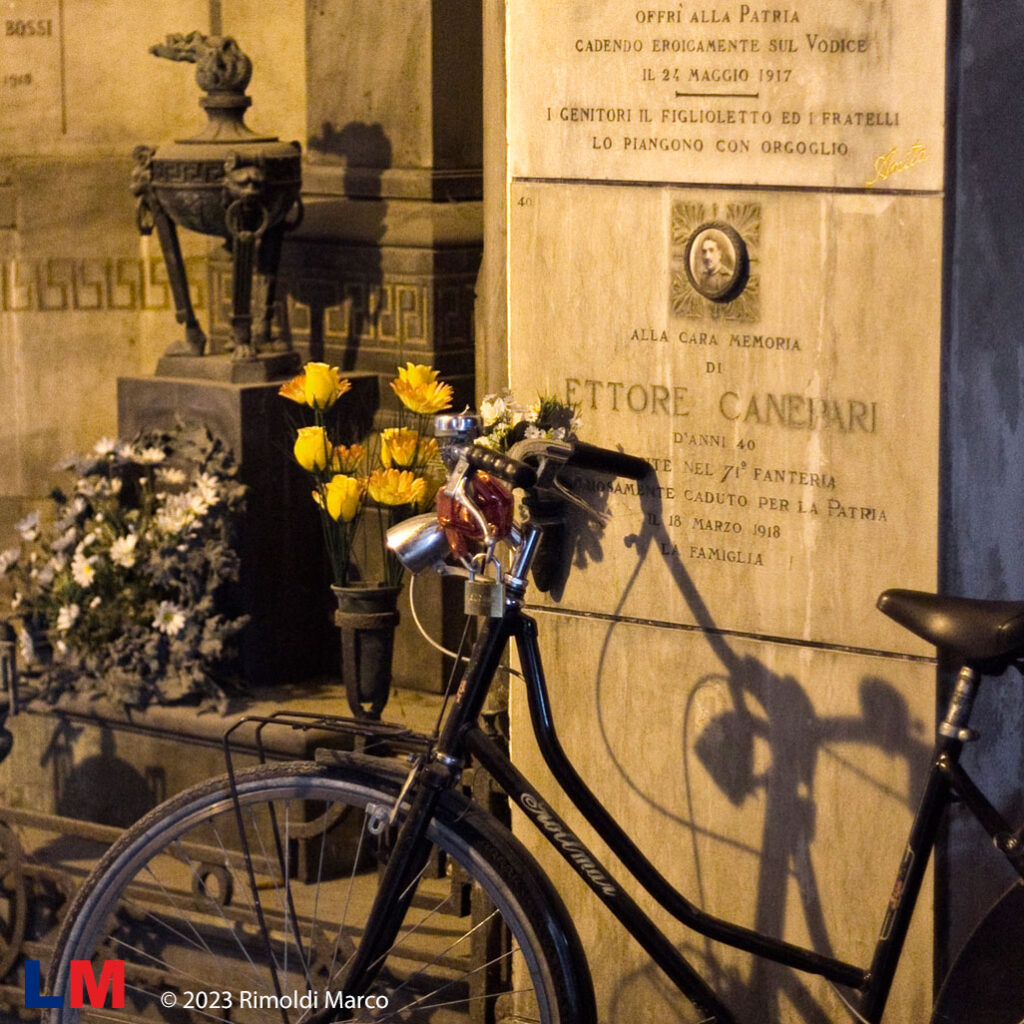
384 267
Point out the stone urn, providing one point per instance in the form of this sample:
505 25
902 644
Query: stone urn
227 181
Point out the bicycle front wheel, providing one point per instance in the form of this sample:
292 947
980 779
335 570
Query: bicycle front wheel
250 909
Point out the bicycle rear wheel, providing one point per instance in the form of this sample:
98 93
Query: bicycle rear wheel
485 939
985 985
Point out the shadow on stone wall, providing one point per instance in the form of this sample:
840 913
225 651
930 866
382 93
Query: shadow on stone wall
367 153
102 788
771 712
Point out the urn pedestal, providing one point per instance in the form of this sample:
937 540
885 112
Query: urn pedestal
282 586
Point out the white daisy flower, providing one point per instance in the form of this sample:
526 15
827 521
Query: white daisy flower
29 526
122 551
105 446
206 485
83 571
171 475
8 558
174 517
151 456
170 619
67 617
198 504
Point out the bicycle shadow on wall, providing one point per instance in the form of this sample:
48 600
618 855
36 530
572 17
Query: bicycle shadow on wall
753 735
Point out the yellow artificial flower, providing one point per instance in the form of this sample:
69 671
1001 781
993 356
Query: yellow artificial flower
324 385
319 386
434 478
420 391
416 374
344 496
346 458
396 487
311 448
405 448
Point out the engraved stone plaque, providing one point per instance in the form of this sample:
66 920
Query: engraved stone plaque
725 230
792 420
31 71
846 94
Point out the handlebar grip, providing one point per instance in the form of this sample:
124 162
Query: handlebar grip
512 471
604 460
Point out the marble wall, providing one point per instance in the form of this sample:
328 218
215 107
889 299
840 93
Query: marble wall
385 100
84 298
725 243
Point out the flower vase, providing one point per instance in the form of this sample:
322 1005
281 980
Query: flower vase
367 615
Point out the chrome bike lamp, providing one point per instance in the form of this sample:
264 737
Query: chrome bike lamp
419 543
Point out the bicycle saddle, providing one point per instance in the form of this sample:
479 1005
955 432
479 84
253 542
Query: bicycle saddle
976 630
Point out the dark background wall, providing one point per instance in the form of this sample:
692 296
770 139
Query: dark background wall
982 539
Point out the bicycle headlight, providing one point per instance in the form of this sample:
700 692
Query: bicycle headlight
419 543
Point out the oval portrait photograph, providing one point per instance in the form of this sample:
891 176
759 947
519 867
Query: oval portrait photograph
716 261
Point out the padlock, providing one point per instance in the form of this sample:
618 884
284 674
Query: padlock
485 597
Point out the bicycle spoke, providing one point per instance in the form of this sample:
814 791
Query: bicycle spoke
214 901
444 952
418 1003
398 939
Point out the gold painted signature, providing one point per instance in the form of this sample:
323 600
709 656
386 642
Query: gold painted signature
889 163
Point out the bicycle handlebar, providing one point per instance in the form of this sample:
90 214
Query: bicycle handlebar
571 454
512 471
605 460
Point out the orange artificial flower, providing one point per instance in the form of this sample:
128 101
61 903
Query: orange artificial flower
346 458
396 487
405 448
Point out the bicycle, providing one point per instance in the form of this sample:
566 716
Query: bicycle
358 887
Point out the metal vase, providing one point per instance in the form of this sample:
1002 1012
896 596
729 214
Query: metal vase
367 615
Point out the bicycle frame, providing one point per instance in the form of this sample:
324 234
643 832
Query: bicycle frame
461 735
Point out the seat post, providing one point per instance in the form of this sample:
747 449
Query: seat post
958 712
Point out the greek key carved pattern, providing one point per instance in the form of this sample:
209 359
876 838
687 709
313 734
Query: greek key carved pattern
59 284
188 172
393 313
211 172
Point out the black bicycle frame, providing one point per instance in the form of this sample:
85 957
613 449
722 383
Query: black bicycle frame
461 733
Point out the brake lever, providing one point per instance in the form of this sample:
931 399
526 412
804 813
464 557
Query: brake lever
549 457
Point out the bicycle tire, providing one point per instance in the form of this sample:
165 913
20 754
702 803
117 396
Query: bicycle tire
985 985
488 938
